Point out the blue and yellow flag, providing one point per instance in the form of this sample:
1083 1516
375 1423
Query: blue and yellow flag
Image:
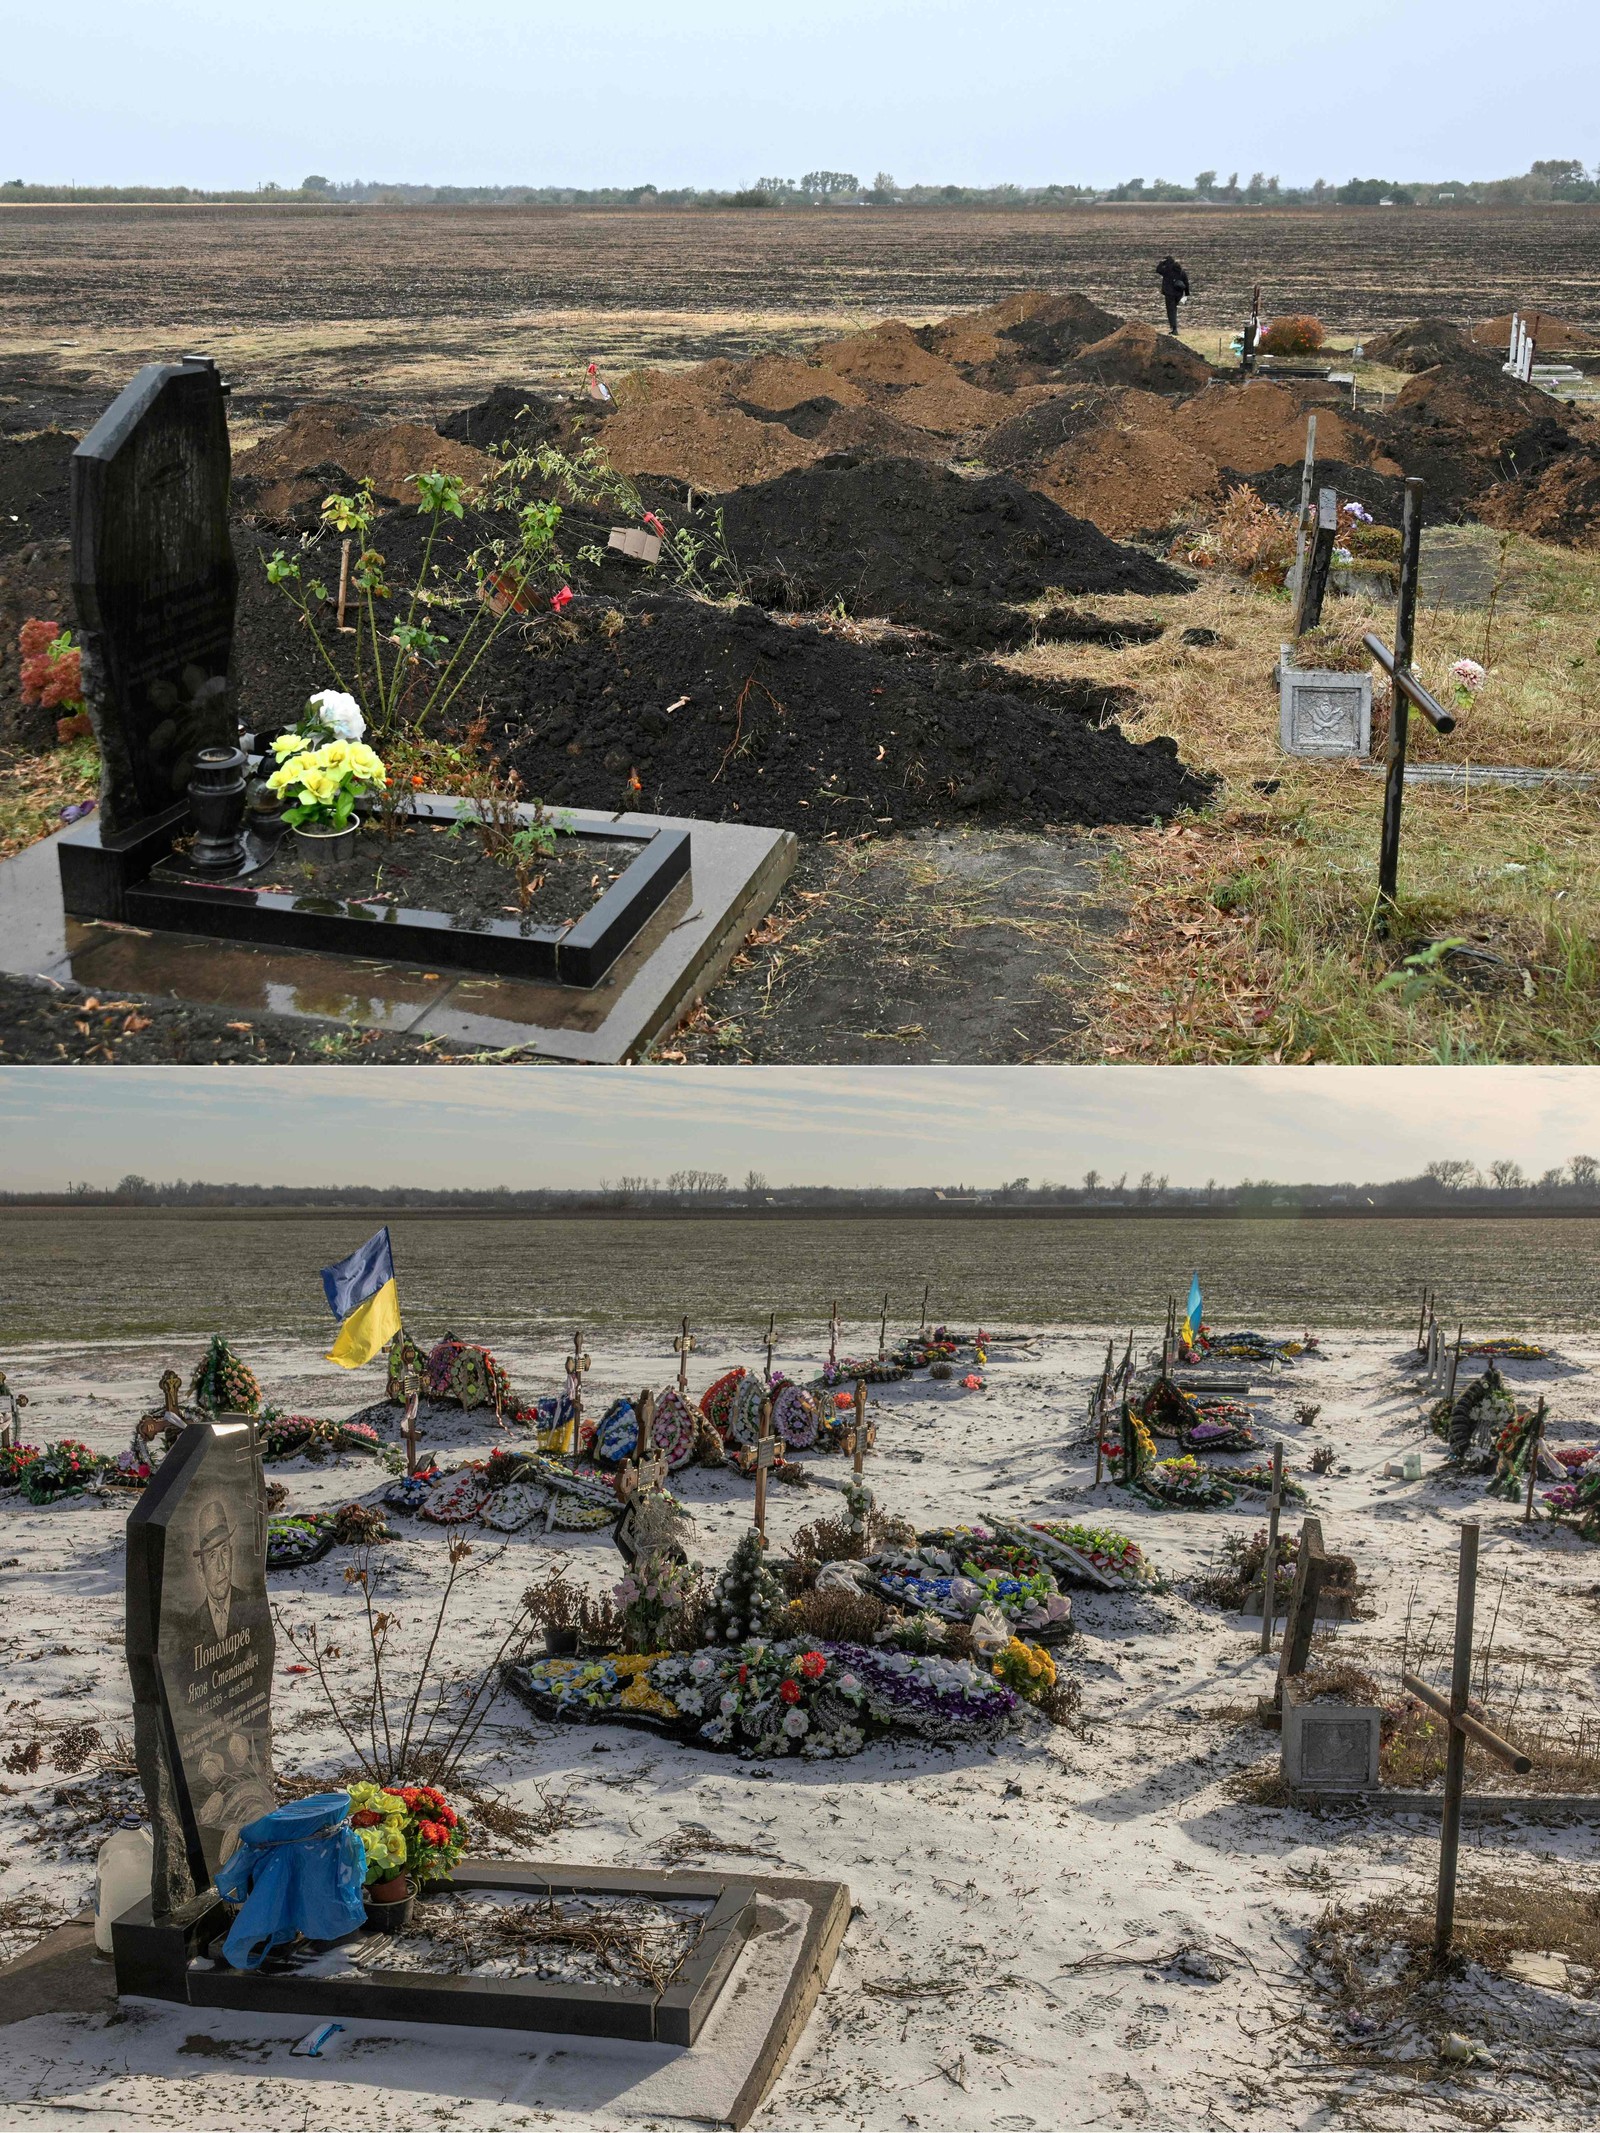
1191 1313
362 1295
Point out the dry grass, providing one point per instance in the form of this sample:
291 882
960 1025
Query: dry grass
1497 1916
35 788
1253 931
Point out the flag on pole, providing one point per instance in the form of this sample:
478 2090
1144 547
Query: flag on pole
1191 1313
362 1295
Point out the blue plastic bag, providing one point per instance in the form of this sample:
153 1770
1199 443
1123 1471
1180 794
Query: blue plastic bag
299 1870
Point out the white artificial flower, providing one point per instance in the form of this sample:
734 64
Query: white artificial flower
700 1666
796 1723
729 1704
1470 675
340 713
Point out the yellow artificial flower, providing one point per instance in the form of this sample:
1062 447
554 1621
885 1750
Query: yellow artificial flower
287 744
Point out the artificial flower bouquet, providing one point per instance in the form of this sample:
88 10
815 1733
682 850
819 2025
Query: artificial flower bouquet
409 1829
321 786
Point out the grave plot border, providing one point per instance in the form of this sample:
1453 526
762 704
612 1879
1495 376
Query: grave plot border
179 1959
116 878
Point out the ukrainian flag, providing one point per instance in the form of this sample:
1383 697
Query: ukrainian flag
362 1295
1191 1314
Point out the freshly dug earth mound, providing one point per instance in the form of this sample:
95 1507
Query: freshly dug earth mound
1052 329
1137 355
1023 443
522 417
1128 480
725 712
1562 504
876 533
1259 424
779 383
33 489
889 354
715 448
1425 342
1551 335
1464 429
283 479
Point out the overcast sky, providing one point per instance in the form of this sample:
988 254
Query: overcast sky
435 1127
719 92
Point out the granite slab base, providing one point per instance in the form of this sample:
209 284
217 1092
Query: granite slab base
736 871
74 2055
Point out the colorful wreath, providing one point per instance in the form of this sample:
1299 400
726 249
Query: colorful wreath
616 1434
456 1498
744 1418
795 1418
675 1427
716 1402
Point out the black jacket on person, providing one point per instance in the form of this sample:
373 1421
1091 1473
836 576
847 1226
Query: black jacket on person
1174 282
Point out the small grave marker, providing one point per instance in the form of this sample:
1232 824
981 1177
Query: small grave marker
413 1392
833 1334
766 1452
683 1347
863 1434
577 1364
883 1327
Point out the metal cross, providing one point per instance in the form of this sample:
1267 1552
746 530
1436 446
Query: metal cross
683 1347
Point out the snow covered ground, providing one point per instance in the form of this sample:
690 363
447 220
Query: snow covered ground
1079 1928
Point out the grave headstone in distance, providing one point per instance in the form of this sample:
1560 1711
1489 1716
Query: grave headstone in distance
155 582
200 1650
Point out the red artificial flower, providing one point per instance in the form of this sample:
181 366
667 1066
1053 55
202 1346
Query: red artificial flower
842 1400
449 1817
744 1675
789 1691
364 1818
559 600
813 1665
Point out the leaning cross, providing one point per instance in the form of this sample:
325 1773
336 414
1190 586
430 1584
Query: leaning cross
683 1347
1269 1567
766 1454
922 1324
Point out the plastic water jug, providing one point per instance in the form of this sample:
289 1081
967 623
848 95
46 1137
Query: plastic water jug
123 1869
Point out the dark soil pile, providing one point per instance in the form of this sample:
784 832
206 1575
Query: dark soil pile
1137 355
728 713
880 533
1551 335
1424 343
1464 428
1381 494
327 445
1058 328
33 490
522 417
1027 440
1561 504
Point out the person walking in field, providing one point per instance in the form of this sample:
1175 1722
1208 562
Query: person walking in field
1174 288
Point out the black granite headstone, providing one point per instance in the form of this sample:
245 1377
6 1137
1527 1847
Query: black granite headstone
155 582
200 1648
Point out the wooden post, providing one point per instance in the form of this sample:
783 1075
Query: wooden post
683 1347
1535 1440
1313 587
1306 472
1102 1401
1444 1919
1269 1572
1422 1318
1455 1364
772 1321
344 588
645 1445
1405 631
413 1390
833 1333
922 1323
883 1326
858 1437
764 1452
577 1364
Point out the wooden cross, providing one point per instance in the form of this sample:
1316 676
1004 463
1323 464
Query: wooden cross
647 1471
1269 1569
1535 1441
1462 1728
645 1409
683 1347
772 1322
766 1453
1102 1401
833 1334
862 1433
577 1364
412 1386
922 1323
883 1326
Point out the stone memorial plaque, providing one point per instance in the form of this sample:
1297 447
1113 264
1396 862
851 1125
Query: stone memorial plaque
1322 712
155 583
200 1649
1330 1747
